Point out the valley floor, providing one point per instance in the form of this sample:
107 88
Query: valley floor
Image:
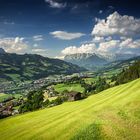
113 114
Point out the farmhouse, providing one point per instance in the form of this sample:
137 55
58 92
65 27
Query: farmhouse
73 96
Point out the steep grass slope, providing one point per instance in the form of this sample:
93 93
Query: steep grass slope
113 114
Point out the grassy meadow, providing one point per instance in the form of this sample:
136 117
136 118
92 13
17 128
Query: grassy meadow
4 96
70 87
113 114
90 80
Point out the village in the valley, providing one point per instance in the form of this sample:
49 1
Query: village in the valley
17 91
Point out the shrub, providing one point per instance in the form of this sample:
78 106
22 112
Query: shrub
59 100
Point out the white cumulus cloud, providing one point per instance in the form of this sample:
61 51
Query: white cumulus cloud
98 39
130 43
115 34
19 39
13 45
120 46
116 24
85 48
66 35
19 46
109 46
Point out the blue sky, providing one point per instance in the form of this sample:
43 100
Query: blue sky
50 27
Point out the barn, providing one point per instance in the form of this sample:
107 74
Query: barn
74 96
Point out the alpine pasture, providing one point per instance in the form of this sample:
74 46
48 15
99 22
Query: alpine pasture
113 114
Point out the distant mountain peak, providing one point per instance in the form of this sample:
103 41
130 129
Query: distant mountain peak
78 56
2 51
87 60
94 60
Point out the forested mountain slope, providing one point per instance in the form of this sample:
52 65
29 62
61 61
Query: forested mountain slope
32 66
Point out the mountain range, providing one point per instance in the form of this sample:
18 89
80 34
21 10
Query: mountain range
32 66
121 64
94 61
87 60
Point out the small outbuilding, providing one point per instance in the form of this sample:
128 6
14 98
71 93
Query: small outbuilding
74 96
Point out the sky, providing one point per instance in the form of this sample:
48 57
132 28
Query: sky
55 28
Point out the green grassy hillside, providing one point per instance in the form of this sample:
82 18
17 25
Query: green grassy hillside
113 114
32 66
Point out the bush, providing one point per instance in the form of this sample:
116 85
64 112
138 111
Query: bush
59 100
